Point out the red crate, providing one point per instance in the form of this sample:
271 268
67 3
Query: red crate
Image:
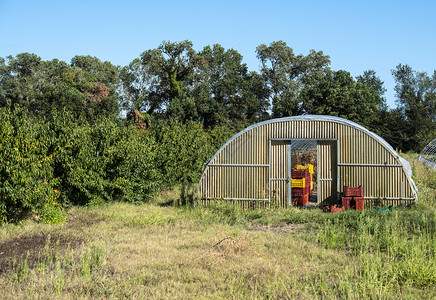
300 200
360 203
346 202
297 174
300 191
336 208
353 191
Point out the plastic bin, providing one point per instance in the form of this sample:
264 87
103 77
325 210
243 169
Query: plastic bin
300 191
360 203
298 174
309 167
336 208
300 200
346 202
389 208
299 183
353 191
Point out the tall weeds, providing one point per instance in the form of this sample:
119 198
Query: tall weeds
393 248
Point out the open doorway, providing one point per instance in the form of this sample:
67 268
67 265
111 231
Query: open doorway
304 153
287 190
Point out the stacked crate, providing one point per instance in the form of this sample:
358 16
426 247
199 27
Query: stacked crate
311 170
301 184
353 197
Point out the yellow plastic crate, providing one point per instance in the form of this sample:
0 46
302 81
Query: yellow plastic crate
309 166
298 183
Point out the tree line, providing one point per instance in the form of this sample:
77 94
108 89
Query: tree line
89 132
214 87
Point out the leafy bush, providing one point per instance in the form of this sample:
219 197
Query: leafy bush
182 149
47 165
103 162
27 184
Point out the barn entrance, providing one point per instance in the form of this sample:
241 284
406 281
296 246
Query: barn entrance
286 154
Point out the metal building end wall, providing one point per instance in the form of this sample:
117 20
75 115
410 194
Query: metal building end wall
252 167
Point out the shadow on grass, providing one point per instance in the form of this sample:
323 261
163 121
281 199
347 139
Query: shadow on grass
184 197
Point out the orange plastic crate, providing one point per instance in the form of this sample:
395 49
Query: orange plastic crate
335 208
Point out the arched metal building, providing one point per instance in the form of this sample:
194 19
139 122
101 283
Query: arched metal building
254 166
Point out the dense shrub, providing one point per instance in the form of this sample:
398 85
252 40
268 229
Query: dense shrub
103 161
27 184
48 165
183 149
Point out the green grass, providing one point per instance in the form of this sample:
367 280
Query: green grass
161 251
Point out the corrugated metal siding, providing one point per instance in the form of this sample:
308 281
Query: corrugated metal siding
361 160
304 130
235 182
327 171
279 172
377 182
249 148
356 147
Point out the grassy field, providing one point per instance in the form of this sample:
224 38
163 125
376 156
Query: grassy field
163 251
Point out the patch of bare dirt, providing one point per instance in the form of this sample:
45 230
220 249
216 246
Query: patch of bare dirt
31 247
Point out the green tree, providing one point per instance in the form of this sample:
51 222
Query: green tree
338 94
416 100
20 80
286 74
87 87
141 90
100 85
371 79
225 92
161 79
27 183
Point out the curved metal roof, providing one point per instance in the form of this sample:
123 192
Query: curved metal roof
402 161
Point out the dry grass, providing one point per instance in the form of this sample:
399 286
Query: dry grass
166 255
156 251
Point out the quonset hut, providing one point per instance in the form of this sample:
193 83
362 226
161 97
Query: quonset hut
254 166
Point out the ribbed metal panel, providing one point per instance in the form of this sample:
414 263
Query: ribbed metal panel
327 171
377 182
279 173
254 163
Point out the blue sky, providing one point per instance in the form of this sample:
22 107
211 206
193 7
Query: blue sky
357 35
